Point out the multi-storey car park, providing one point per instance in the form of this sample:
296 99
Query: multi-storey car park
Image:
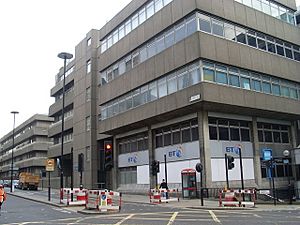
186 80
30 148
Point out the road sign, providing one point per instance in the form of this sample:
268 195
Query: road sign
267 154
49 165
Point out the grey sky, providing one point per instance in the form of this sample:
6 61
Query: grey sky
33 32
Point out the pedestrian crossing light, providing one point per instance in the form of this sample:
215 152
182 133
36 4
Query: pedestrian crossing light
230 162
108 152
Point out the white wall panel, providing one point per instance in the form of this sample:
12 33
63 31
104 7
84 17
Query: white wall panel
219 174
143 174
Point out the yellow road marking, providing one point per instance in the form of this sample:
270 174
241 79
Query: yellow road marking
215 218
123 220
171 221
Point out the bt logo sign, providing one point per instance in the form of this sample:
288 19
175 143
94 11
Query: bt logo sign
176 153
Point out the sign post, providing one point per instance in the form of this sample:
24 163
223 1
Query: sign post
199 169
268 157
49 168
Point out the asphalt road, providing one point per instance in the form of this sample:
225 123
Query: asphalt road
17 211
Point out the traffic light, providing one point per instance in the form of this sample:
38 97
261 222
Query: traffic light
80 162
108 155
230 162
155 167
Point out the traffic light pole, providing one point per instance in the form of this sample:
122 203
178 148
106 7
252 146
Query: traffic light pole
241 166
226 166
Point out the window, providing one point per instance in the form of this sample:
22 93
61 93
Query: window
169 39
266 86
135 21
229 31
167 136
88 66
142 16
205 23
234 80
136 98
88 94
150 9
162 87
151 49
160 44
135 59
152 91
217 28
195 75
186 132
276 89
176 134
245 83
241 35
143 54
251 39
89 41
115 36
172 83
127 27
209 74
122 67
221 77
128 63
183 79
88 123
256 85
121 31
261 43
191 26
273 133
159 138
158 5
180 32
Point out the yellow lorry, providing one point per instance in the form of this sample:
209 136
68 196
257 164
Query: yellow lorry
28 181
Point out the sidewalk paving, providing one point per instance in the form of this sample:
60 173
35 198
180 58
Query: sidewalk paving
42 197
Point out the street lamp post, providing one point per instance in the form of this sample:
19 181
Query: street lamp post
12 152
64 56
286 154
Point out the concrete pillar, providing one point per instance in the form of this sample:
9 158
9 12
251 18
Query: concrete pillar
256 153
205 156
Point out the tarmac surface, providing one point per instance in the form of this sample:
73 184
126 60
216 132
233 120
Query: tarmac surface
208 204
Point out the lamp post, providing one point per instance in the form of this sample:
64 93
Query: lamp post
12 152
286 154
64 56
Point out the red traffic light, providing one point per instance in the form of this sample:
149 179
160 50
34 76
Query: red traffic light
108 146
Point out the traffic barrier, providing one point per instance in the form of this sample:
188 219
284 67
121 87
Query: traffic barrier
158 196
237 198
79 196
104 200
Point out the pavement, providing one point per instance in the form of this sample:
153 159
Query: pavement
208 204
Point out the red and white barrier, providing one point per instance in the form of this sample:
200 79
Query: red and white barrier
163 195
236 198
79 196
104 200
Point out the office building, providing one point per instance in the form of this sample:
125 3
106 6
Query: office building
31 145
184 82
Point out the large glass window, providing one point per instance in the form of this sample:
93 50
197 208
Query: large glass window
205 23
209 74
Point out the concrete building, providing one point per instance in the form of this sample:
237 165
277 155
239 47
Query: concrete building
187 81
31 146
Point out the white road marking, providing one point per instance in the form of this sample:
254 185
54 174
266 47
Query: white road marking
171 221
215 218
123 220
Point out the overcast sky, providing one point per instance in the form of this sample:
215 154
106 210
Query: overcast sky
33 32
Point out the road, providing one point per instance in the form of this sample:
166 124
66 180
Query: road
18 211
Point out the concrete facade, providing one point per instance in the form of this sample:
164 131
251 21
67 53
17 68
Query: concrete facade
135 104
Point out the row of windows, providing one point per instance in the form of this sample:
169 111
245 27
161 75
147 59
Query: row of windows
273 133
278 170
153 47
189 26
249 37
60 77
228 130
164 86
195 73
245 79
67 137
271 8
137 19
177 134
133 144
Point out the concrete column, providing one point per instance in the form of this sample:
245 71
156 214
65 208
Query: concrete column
256 153
205 156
